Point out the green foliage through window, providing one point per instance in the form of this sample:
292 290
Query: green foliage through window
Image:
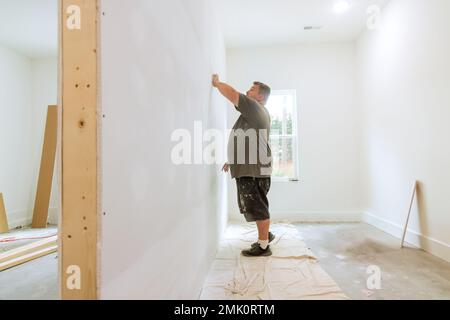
283 139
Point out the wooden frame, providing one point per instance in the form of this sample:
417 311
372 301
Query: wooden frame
78 163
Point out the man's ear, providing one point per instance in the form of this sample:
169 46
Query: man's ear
261 97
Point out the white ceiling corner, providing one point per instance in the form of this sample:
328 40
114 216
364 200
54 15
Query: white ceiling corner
276 22
30 27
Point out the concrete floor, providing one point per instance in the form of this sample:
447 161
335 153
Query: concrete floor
34 280
345 251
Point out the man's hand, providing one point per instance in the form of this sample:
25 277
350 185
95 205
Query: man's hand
215 80
225 167
226 90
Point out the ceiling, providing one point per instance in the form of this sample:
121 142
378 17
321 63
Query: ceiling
30 27
275 22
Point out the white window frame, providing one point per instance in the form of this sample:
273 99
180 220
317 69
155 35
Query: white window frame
295 138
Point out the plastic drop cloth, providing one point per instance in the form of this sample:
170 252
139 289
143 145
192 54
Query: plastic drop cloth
291 273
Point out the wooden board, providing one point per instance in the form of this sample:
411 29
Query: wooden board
3 217
28 257
28 248
44 188
405 227
79 148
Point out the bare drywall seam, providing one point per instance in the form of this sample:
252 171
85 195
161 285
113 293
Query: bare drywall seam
99 148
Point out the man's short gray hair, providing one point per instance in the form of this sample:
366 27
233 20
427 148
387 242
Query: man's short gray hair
264 90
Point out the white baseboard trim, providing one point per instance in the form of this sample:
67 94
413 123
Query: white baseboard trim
430 245
24 218
53 215
19 219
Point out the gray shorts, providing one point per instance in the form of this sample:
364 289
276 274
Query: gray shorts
252 198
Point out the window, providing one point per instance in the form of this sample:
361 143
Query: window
283 134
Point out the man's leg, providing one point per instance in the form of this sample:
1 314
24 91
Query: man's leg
257 209
263 233
263 229
260 248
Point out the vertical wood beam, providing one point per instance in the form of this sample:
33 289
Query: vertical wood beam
79 149
44 188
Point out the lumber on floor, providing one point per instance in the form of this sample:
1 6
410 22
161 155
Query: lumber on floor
28 257
28 252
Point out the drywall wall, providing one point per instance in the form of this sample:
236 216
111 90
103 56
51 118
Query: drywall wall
15 134
324 77
29 86
404 76
161 222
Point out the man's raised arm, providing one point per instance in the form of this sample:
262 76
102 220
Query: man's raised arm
227 91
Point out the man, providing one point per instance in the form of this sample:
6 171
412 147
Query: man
251 163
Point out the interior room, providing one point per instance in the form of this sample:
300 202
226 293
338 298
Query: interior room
29 196
358 112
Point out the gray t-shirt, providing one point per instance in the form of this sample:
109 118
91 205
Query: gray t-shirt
249 153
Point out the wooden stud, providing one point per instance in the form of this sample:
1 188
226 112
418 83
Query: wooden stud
3 217
79 148
405 227
28 252
27 249
28 257
44 188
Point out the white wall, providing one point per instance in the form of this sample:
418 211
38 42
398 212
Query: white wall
162 222
28 87
15 134
404 84
329 159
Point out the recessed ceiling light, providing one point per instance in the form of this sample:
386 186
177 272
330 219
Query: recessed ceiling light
341 6
312 27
